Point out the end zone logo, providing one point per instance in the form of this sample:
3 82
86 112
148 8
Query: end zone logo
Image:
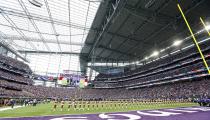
171 114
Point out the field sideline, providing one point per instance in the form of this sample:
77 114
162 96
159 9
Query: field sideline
46 109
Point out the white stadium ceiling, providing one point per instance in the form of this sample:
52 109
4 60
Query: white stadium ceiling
46 25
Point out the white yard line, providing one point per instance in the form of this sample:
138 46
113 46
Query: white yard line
9 108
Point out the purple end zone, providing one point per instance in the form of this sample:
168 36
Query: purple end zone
190 113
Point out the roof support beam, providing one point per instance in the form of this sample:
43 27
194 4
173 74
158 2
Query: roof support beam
99 58
52 23
10 48
33 23
14 37
166 26
149 16
107 23
18 13
126 37
9 20
47 52
117 51
155 32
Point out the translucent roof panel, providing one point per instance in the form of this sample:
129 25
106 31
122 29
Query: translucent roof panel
56 26
52 63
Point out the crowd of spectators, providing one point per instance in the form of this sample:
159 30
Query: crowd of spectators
15 64
14 70
14 93
198 88
177 58
11 85
183 65
190 70
15 77
180 65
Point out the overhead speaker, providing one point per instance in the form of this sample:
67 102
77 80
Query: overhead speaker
36 3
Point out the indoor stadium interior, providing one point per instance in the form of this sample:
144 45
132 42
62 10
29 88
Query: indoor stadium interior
104 59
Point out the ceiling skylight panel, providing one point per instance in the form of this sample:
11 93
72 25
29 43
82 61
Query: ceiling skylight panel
85 35
92 9
31 35
80 23
11 4
79 4
3 21
77 39
54 47
92 12
78 13
22 23
39 45
22 44
62 29
89 23
76 31
64 39
95 4
76 48
58 9
8 30
65 48
76 9
44 27
36 10
49 37
58 3
16 47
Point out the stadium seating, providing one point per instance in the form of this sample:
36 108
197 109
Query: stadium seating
14 64
181 76
14 75
184 65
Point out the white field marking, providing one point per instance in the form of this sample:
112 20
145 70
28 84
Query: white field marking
97 113
158 113
197 108
70 118
104 116
9 108
181 110
130 116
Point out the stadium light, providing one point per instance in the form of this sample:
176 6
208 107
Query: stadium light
208 27
155 53
162 50
177 43
146 58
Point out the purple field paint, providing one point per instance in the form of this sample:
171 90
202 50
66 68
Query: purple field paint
191 113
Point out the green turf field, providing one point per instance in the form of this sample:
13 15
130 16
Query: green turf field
46 109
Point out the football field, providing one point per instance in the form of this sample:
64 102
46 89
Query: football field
47 109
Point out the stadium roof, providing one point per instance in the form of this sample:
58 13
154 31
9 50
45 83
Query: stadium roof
48 26
133 29
103 30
